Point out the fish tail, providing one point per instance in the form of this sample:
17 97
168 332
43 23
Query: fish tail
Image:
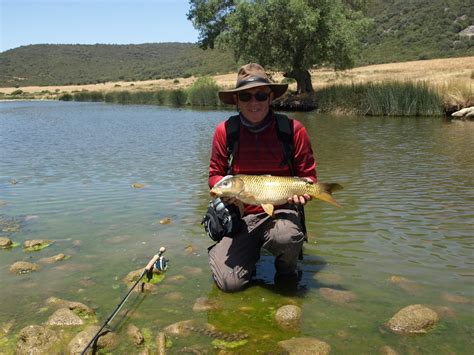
325 193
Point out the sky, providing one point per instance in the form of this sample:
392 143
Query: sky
24 22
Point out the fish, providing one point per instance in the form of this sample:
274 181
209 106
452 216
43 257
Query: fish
270 191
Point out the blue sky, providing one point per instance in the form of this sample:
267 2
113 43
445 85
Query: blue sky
24 22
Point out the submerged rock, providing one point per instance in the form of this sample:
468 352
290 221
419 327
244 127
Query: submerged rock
203 304
413 319
77 307
455 298
36 340
23 267
305 346
161 343
166 220
36 244
405 284
53 259
288 317
5 243
64 317
107 341
135 334
387 350
337 296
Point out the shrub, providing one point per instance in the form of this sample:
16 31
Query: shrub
65 97
177 97
17 92
203 92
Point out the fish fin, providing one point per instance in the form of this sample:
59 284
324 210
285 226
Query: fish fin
240 205
268 207
326 193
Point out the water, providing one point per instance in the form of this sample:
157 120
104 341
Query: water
407 211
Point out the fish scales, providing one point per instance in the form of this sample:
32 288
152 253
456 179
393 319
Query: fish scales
268 190
273 189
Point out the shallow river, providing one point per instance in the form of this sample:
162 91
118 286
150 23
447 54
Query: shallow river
403 236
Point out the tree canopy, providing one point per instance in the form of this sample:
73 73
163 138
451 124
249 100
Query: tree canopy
292 36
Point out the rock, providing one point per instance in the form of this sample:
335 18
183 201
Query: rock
36 244
53 259
161 343
455 298
107 341
36 340
203 304
305 346
288 317
135 334
327 277
405 284
5 243
467 32
337 296
463 113
413 319
64 317
192 271
174 296
387 350
77 307
133 276
23 267
137 185
166 220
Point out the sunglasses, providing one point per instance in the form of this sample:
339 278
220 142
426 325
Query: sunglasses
259 96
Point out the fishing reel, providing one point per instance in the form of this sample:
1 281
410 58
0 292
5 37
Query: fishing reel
161 264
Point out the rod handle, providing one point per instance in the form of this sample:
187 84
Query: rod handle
152 262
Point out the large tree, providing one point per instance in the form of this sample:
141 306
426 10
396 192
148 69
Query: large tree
292 36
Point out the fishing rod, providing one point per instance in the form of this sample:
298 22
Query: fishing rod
160 263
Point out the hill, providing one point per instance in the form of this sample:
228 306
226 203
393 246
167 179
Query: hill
403 30
64 64
406 30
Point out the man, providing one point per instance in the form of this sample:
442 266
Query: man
260 152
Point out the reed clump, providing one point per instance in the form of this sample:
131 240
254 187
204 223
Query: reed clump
381 99
203 92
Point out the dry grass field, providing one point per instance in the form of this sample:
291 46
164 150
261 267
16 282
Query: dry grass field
453 77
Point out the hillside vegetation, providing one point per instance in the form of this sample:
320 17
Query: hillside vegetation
50 64
418 29
403 30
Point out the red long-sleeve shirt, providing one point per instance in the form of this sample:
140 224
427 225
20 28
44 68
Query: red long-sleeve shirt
261 154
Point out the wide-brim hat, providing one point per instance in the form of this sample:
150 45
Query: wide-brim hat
250 76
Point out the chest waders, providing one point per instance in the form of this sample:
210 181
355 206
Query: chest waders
285 132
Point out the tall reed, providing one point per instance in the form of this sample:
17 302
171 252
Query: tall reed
381 99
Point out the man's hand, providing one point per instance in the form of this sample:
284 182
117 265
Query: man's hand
299 200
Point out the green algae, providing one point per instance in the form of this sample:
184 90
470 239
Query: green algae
37 247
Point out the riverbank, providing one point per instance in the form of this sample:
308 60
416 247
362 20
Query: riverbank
451 78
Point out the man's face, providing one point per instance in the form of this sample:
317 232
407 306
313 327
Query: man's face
249 104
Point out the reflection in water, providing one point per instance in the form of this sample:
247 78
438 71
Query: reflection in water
403 236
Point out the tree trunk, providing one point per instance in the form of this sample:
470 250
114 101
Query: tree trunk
303 80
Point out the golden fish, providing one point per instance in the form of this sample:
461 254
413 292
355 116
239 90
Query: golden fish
269 191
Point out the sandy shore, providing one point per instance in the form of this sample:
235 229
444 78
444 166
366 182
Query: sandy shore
434 72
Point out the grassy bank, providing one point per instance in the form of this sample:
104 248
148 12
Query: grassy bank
418 87
381 99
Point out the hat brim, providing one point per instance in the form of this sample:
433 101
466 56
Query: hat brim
227 96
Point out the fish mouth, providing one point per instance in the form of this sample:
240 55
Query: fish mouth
213 193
